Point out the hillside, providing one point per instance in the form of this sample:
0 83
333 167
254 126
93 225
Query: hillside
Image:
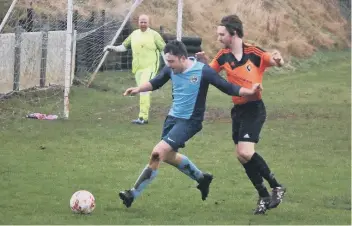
297 28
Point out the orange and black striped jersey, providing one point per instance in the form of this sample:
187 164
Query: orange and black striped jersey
246 72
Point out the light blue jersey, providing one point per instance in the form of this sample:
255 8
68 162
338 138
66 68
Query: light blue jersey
186 87
189 89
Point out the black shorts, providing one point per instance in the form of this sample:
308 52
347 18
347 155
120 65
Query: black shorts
177 131
247 121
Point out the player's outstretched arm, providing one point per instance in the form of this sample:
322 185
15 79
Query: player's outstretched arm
135 90
213 78
153 84
120 48
233 90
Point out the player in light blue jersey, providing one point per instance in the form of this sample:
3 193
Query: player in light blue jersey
190 82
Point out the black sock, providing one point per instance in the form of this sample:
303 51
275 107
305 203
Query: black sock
264 170
255 178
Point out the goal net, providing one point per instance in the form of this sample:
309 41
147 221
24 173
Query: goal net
48 46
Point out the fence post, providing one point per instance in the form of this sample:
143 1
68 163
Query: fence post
44 51
75 27
29 20
17 64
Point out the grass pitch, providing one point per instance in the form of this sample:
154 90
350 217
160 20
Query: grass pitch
306 142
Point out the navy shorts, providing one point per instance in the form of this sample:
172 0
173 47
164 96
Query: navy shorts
247 121
177 131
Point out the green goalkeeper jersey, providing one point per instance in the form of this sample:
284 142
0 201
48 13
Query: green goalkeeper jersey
146 47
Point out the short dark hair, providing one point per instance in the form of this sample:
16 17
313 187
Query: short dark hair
232 24
176 48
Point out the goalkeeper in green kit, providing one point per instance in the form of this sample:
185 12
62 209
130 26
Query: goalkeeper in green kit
147 45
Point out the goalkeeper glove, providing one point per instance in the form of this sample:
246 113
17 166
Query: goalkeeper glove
120 48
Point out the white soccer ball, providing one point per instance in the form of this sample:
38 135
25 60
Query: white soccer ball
82 202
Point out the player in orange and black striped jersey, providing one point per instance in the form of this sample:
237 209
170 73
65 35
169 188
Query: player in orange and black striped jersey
244 65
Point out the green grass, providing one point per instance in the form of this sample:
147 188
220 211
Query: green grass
306 141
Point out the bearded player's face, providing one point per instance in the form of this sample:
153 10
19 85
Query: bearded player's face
224 36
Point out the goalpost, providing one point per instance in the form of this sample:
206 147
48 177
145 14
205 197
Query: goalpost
179 20
47 46
69 54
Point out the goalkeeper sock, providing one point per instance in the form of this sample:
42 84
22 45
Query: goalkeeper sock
187 167
146 177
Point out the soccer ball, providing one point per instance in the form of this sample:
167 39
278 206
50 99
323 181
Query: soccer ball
82 202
